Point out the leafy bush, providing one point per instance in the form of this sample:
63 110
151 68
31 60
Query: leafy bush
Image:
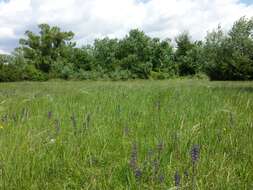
67 72
10 73
201 76
160 75
88 75
120 75
32 74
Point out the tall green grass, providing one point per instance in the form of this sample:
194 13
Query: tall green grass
126 135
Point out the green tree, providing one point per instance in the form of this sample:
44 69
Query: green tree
105 52
82 58
5 59
162 55
240 42
135 53
46 48
229 57
188 55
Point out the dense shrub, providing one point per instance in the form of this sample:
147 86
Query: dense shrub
10 73
32 74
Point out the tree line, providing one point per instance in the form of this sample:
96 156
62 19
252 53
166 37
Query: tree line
222 55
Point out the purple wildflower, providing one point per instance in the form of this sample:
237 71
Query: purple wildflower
138 173
49 115
177 179
161 178
195 153
133 161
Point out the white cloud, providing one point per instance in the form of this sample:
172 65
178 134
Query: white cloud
3 52
6 32
90 19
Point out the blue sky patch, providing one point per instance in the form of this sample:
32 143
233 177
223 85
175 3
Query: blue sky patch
248 2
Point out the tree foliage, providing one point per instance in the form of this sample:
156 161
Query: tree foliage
51 53
230 57
188 55
50 46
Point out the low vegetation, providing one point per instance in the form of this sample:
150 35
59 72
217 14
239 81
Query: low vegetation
177 134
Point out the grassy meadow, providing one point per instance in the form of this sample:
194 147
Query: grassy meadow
174 134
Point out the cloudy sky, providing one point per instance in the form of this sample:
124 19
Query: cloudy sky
90 19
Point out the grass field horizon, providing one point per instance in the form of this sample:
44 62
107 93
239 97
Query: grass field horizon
172 134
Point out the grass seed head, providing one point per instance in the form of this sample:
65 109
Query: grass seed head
73 119
160 147
57 126
186 173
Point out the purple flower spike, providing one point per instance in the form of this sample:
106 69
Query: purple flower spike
138 173
133 161
177 179
195 153
49 115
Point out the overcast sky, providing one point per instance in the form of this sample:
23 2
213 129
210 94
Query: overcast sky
90 19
